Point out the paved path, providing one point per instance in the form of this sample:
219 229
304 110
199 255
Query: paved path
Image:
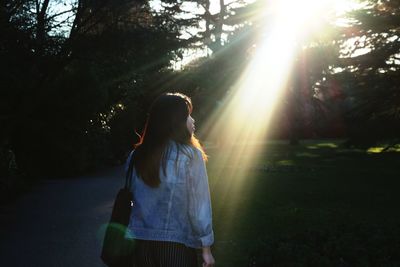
59 223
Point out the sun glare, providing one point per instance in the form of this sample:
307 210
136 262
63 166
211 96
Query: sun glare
256 93
244 119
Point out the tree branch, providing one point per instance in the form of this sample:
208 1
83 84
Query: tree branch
61 13
15 8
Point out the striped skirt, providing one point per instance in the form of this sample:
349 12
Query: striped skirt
164 254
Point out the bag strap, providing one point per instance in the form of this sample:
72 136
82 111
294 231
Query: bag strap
128 177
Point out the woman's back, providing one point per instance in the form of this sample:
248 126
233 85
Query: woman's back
179 209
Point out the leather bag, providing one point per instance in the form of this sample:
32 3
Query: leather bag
118 251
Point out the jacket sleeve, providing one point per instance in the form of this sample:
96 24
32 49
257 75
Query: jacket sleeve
200 212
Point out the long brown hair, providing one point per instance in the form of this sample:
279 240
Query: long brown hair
166 121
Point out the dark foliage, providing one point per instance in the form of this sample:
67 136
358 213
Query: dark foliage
65 81
349 245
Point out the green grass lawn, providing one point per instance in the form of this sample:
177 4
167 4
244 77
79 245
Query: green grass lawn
316 204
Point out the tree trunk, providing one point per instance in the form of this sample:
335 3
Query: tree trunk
219 26
41 26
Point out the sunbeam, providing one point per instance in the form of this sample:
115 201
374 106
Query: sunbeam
244 121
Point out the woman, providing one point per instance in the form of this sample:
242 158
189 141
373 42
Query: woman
171 215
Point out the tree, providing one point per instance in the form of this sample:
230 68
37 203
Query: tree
346 75
368 70
66 72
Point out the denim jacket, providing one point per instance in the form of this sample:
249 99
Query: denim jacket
179 209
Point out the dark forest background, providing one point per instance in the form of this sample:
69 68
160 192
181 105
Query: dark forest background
77 76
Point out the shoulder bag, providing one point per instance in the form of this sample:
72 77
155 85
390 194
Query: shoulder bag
118 251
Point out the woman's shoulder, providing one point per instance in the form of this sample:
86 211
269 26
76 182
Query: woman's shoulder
193 153
189 151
